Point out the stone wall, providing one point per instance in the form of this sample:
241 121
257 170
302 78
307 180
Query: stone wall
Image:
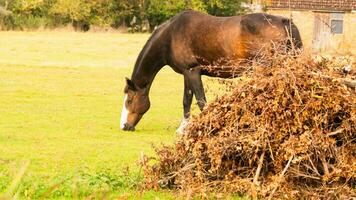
341 43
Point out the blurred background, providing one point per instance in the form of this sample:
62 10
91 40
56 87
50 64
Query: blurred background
324 25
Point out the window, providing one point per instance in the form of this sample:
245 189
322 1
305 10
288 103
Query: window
337 23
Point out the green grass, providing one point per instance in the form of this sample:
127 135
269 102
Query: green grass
60 104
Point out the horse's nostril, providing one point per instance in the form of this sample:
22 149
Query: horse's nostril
128 127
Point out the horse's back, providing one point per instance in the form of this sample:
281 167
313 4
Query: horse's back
204 39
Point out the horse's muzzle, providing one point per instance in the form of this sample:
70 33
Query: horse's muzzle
128 127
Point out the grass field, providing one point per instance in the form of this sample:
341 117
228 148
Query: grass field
61 98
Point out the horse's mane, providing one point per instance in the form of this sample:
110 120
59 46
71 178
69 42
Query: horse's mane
155 34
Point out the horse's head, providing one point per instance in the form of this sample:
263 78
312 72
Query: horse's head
136 103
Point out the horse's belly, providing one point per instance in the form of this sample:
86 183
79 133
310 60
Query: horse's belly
225 71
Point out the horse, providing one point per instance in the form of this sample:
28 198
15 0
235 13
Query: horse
192 39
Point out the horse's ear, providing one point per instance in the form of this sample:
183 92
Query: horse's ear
130 84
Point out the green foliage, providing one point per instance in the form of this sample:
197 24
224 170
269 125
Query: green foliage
82 183
101 13
30 14
159 11
138 15
74 10
223 7
79 184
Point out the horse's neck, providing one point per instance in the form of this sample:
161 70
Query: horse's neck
151 58
148 64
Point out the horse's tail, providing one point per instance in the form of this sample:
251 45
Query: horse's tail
294 40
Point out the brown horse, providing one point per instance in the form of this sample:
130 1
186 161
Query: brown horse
193 39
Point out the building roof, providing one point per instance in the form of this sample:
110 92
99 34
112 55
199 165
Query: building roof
327 5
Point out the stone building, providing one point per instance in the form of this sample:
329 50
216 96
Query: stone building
325 25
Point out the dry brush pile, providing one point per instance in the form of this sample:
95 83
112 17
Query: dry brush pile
287 132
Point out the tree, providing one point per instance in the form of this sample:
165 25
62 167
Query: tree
159 11
25 14
101 13
135 14
75 10
224 7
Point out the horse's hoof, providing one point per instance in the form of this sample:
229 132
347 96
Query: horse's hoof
179 131
183 125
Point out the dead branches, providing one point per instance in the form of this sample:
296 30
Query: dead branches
288 132
347 82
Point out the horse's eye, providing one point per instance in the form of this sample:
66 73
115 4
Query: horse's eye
129 101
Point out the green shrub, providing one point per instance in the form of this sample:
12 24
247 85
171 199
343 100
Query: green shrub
135 14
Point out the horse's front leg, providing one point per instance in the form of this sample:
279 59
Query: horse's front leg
196 84
187 102
187 98
192 85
